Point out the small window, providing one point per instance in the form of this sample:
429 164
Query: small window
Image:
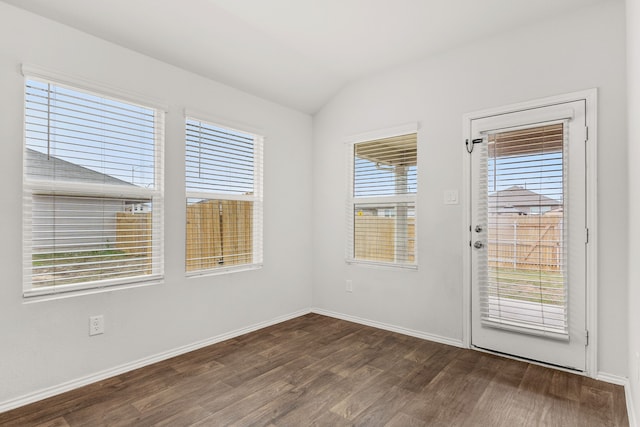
93 192
224 198
382 206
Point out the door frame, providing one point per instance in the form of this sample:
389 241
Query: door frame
590 97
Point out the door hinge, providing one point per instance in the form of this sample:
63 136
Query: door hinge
586 337
586 235
586 133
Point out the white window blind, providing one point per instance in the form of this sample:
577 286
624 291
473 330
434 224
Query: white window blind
382 207
92 190
525 282
224 198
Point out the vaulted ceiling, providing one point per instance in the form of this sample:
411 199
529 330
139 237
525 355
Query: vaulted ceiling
298 53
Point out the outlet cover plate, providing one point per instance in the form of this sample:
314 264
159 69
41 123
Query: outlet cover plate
96 325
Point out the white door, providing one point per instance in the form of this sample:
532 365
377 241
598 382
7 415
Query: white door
528 234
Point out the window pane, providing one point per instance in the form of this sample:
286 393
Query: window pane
386 167
219 233
219 160
383 207
223 174
526 277
76 136
87 239
385 232
92 217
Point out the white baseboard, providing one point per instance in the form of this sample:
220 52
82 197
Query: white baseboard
108 373
392 328
623 381
631 411
612 379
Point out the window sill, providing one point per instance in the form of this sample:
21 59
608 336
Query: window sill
223 270
382 265
41 295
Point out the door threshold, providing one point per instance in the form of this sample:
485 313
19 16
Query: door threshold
531 361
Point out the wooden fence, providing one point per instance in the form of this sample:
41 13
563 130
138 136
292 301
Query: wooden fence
133 236
375 238
526 242
514 241
133 233
219 233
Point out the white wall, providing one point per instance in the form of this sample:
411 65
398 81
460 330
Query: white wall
633 96
567 53
46 343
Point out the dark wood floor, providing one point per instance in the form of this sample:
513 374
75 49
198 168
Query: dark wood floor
316 370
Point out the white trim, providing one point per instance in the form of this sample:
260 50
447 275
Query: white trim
535 103
223 122
73 188
352 201
381 264
465 202
256 197
32 187
612 379
631 409
383 200
223 270
533 118
389 132
97 88
388 327
623 381
64 291
117 370
589 96
220 196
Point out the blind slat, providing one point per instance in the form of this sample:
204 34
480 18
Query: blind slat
524 283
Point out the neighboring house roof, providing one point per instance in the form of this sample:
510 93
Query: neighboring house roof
517 196
41 166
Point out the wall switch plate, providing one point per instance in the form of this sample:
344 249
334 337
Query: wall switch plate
349 286
450 197
96 325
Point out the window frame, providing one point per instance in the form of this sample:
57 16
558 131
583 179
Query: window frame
352 201
256 198
33 187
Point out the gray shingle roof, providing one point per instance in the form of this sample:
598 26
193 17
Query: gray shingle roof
517 196
41 166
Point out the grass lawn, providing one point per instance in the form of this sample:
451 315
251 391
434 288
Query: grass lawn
527 285
64 268
61 258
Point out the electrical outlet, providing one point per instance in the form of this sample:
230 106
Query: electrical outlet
349 286
96 325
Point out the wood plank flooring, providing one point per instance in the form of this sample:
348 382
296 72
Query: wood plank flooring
316 370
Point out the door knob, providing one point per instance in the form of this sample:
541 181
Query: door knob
478 244
478 228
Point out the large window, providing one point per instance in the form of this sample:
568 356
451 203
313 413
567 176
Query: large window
224 198
92 190
382 203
